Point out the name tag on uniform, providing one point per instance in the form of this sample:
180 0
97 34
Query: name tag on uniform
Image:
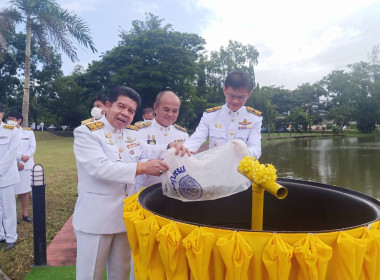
151 142
244 127
4 137
179 140
130 146
24 138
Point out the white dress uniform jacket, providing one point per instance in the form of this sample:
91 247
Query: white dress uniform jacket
221 125
27 147
9 176
9 145
152 133
106 161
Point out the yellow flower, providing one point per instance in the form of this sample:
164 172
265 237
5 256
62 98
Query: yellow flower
256 172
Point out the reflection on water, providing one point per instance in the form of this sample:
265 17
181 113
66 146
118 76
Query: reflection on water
347 162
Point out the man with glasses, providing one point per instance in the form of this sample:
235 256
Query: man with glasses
231 121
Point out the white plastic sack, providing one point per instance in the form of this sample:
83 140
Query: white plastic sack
205 176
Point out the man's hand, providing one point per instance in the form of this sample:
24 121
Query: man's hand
20 166
180 149
24 158
153 167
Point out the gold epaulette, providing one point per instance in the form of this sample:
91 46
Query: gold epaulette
133 127
139 122
8 126
27 128
143 125
253 111
213 109
87 121
180 128
95 125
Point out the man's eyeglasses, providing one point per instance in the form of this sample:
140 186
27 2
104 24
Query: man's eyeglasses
238 97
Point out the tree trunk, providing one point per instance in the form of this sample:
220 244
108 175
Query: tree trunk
25 100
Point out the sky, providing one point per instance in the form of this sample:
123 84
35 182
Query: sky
299 41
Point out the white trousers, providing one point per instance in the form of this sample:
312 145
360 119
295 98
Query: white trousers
96 251
8 215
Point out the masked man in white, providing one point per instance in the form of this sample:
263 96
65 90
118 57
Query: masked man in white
9 145
25 162
98 109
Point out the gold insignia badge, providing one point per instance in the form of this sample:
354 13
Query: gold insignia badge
213 109
7 126
95 125
245 122
109 135
180 128
253 111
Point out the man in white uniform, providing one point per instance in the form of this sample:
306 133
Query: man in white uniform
148 116
25 162
107 154
231 121
98 108
161 130
9 145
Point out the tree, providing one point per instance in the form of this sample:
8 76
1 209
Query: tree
150 57
220 63
48 23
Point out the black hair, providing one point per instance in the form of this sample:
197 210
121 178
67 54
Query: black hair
239 79
1 108
102 98
17 115
125 91
148 110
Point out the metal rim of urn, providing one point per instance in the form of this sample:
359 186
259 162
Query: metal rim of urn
310 207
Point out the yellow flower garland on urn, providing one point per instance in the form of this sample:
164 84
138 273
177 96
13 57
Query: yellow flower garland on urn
263 177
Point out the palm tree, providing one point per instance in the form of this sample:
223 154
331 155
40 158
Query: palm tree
48 23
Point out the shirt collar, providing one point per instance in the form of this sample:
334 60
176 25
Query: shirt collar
232 113
107 125
159 127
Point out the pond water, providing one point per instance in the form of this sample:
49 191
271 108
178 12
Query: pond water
350 162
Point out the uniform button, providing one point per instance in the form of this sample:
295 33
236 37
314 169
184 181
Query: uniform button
232 133
161 128
215 144
121 150
166 134
233 119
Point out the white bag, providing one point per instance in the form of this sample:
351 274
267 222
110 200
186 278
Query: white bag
205 176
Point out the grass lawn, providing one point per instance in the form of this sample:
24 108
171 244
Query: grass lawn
54 273
56 155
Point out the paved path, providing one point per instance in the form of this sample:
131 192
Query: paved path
62 250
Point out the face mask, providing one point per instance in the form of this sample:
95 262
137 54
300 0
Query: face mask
96 113
11 122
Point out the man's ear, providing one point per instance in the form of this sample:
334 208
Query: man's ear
108 104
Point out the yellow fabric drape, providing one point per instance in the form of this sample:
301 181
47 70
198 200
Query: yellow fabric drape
164 249
312 256
150 265
277 256
236 254
199 245
172 252
351 251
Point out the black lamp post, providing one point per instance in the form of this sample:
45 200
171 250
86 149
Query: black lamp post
39 224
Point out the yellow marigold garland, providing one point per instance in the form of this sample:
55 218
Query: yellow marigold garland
256 172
